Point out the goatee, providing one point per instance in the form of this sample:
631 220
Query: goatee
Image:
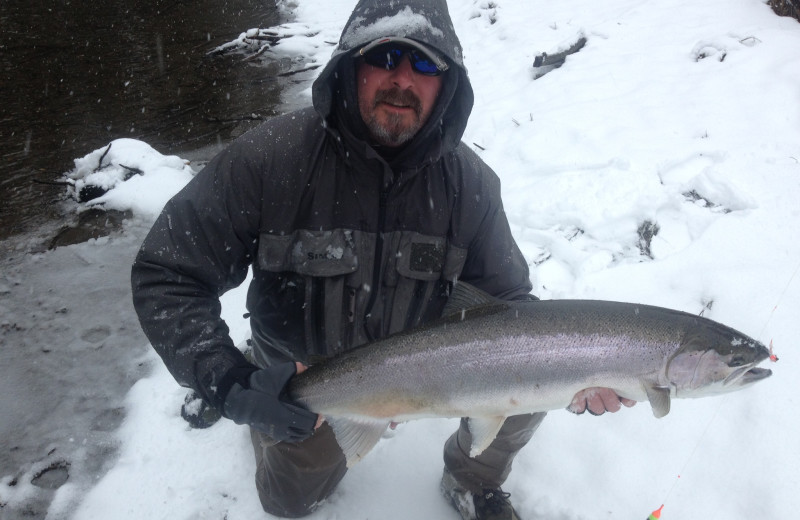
394 131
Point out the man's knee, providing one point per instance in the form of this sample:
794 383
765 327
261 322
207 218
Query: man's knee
297 495
293 479
490 468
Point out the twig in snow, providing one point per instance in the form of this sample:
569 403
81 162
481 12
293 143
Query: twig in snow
131 171
293 72
100 162
51 183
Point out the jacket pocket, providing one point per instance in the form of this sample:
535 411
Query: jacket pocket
424 257
310 253
425 268
322 262
421 257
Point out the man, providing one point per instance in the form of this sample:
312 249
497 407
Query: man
356 215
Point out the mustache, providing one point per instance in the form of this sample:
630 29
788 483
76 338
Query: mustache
397 96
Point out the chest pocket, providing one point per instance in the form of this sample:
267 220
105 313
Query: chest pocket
310 253
424 268
320 265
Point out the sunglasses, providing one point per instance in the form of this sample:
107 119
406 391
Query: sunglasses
389 55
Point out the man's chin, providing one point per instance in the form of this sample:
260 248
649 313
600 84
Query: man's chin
393 140
393 133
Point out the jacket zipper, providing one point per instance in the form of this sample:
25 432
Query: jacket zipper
378 263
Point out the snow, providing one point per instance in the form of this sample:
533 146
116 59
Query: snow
678 114
403 23
138 178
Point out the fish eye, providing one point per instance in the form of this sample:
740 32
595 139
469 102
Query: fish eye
737 361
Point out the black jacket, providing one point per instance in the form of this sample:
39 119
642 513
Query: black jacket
347 243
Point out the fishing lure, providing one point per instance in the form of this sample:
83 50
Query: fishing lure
772 356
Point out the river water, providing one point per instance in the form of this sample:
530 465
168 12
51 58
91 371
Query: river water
76 74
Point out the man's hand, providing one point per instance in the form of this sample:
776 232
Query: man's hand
598 401
265 406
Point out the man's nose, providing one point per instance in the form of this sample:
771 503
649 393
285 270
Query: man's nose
403 74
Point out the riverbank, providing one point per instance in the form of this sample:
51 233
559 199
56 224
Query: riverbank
72 345
71 342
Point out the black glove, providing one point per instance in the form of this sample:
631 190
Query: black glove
265 406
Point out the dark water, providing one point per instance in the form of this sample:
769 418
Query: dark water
75 74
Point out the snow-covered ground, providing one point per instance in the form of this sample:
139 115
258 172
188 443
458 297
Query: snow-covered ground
677 116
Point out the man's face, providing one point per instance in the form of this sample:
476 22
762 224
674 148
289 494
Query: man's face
395 104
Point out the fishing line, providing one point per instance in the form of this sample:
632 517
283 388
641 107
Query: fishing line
700 439
780 299
724 398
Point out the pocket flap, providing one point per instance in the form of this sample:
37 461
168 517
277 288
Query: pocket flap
421 257
311 253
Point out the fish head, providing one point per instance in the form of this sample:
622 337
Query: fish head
714 359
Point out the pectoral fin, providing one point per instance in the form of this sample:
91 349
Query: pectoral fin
356 437
659 400
483 431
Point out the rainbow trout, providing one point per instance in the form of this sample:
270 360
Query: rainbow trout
489 359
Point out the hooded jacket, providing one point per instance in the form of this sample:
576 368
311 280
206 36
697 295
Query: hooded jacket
347 242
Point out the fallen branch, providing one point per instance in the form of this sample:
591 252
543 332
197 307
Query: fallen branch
251 117
100 162
558 59
258 53
131 171
293 72
51 183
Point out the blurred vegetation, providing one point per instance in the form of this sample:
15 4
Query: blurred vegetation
786 8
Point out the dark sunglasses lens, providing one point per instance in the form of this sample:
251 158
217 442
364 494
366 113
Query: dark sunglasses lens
384 57
423 64
388 57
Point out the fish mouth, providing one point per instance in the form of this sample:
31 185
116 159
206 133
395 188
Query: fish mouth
746 375
755 374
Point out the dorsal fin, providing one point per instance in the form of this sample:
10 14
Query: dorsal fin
465 296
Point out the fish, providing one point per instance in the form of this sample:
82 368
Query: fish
489 359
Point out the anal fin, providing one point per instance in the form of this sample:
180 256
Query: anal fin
356 437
